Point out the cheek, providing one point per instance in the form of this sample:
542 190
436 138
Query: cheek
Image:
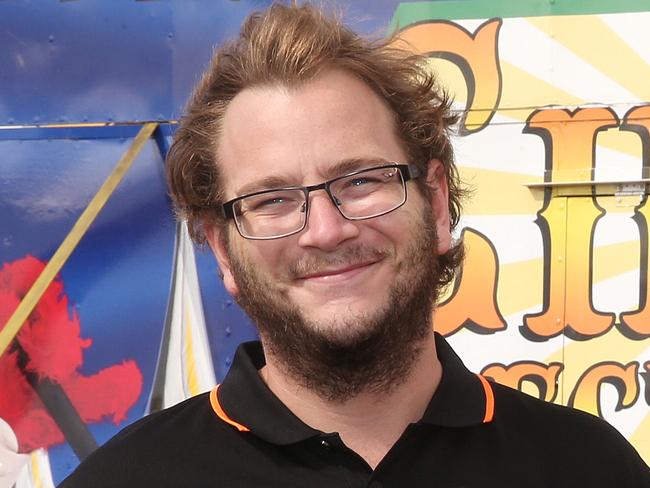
409 227
403 223
390 233
268 257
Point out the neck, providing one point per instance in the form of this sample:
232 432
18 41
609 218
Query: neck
370 422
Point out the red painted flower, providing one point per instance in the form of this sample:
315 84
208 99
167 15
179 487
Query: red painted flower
51 339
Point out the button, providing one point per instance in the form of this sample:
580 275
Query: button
324 444
375 484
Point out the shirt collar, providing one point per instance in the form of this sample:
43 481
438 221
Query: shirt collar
461 399
246 399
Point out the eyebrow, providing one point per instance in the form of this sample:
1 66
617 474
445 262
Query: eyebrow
346 166
340 168
266 183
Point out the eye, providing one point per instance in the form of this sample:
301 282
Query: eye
270 204
360 181
363 180
271 201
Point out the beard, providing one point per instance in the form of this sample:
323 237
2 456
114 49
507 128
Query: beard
357 353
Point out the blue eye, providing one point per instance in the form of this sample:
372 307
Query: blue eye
360 181
372 178
271 201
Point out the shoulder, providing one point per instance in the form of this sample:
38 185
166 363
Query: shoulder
543 420
571 439
513 407
149 451
164 427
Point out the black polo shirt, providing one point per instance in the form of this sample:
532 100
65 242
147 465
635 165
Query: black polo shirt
473 434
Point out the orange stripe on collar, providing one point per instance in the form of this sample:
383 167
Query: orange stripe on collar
489 400
216 406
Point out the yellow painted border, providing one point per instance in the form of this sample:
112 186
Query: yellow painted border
80 125
26 306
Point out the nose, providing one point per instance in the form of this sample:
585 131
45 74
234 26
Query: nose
326 228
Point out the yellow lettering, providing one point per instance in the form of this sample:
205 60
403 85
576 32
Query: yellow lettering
586 394
473 303
476 55
569 139
636 324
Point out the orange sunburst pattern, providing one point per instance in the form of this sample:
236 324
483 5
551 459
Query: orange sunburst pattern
553 298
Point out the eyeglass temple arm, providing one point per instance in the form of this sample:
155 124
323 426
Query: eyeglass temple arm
227 210
412 172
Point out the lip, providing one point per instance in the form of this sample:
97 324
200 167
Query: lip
338 274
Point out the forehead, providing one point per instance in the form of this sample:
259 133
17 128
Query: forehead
301 135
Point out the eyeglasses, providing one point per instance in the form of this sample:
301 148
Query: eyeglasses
360 195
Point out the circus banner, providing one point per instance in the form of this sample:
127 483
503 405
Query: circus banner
553 143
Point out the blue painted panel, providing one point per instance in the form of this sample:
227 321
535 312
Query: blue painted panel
121 60
103 61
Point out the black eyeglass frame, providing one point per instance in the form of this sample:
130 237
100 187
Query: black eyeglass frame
407 172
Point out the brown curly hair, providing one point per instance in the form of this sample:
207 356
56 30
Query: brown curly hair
289 45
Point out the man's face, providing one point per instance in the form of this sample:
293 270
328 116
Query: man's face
335 273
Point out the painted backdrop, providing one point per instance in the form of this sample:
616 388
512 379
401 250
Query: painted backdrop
107 312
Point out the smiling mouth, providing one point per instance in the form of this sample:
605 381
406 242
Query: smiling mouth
337 273
337 266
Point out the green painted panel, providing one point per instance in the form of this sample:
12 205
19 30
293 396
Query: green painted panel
410 12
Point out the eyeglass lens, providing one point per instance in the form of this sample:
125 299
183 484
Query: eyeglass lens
360 196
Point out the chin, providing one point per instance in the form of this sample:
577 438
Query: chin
342 300
337 315
345 325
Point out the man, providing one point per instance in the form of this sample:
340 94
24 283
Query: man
318 168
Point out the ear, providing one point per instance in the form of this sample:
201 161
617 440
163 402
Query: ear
437 181
217 241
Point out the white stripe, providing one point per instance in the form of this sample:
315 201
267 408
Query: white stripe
193 306
187 304
515 237
633 29
532 50
41 477
607 296
616 228
502 147
614 165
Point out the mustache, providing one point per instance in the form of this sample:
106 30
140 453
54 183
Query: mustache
349 256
